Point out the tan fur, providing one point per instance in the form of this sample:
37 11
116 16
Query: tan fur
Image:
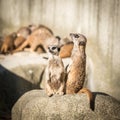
66 50
18 41
87 92
32 27
77 67
24 32
22 35
8 44
55 74
38 37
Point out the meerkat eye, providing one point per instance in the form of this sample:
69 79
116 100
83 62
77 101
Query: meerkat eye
81 43
76 36
53 48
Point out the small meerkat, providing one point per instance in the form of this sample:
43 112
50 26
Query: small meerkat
55 73
77 68
8 44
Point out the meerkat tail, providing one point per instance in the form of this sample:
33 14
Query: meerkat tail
87 92
90 96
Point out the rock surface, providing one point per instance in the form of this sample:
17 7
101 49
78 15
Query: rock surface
36 105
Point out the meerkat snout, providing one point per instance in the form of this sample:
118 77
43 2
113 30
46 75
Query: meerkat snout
78 39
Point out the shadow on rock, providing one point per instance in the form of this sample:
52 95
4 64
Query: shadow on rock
12 87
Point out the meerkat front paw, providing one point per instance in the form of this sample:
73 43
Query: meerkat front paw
60 93
50 94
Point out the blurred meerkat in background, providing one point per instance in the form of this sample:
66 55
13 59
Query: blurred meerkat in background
37 38
22 35
8 43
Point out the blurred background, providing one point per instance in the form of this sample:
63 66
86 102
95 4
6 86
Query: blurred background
98 20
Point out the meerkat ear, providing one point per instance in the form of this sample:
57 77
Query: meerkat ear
59 49
72 36
14 34
58 37
48 47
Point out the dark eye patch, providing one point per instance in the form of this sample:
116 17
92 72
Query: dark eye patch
81 43
53 48
58 49
76 36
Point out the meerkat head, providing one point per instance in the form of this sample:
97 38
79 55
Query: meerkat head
54 49
32 27
14 35
78 39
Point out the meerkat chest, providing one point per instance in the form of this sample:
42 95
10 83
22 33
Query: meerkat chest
56 68
77 67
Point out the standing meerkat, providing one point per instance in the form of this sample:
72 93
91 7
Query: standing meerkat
55 74
77 68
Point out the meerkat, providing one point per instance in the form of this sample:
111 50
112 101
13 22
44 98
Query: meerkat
37 38
22 35
77 68
8 44
66 47
32 27
55 73
66 50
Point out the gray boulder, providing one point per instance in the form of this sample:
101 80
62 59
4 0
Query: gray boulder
36 105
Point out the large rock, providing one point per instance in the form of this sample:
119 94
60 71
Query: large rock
36 105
